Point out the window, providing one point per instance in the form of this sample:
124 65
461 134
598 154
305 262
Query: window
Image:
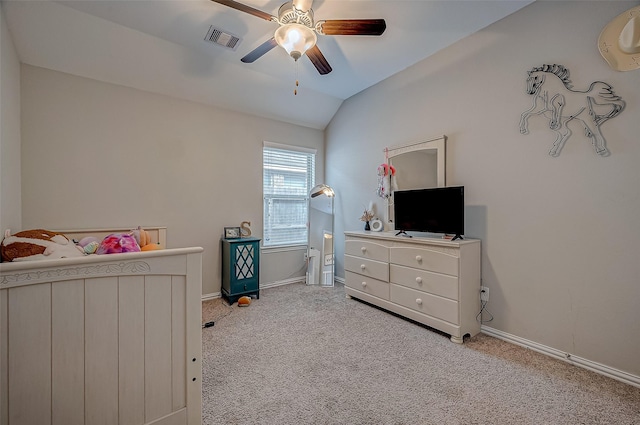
288 176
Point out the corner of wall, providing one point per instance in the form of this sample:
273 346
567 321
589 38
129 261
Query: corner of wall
10 170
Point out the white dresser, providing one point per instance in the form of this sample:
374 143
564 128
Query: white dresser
432 281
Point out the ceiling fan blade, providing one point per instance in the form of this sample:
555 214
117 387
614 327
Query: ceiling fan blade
259 51
247 9
352 26
318 60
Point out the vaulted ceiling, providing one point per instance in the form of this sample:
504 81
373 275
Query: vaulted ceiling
159 46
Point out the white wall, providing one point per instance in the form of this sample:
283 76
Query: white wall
560 236
98 155
10 200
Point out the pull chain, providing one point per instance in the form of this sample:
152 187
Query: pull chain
295 90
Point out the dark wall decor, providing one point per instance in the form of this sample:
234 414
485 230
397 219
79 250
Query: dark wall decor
555 99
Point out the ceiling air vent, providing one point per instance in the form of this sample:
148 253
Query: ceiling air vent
222 38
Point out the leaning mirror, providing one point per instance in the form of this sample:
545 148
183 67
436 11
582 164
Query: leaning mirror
320 249
417 166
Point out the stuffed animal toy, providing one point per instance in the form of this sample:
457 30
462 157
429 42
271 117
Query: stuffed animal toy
144 239
150 247
89 244
116 243
244 301
142 236
37 244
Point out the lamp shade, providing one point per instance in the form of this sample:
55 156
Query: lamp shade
296 39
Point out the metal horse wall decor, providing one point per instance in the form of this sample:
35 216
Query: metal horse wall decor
557 100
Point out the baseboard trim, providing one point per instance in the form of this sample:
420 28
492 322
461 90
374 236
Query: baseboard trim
599 368
214 295
211 296
299 279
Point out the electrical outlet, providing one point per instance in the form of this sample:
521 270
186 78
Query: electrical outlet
484 293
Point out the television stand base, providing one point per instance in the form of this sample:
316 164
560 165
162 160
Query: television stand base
403 233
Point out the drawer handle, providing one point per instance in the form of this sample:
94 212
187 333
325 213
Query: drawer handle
419 301
363 249
362 266
418 258
418 279
364 284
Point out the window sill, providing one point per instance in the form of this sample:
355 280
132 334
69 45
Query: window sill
283 248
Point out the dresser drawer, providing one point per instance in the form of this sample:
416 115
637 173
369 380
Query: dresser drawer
422 302
366 249
422 280
368 285
424 259
375 269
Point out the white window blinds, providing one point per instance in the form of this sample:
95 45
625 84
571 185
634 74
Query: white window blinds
288 176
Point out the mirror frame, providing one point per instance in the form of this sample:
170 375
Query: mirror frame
439 145
326 192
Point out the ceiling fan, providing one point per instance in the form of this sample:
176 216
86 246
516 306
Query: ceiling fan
297 30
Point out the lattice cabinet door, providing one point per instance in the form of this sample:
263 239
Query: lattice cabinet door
240 268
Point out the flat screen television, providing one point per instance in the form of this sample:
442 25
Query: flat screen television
434 210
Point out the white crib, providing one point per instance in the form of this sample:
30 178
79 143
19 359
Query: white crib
102 339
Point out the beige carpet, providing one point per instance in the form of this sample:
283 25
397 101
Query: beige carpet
307 355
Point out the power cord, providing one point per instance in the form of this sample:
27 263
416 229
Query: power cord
211 323
483 308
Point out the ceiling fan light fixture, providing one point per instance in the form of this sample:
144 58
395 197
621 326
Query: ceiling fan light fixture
297 29
302 5
296 39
